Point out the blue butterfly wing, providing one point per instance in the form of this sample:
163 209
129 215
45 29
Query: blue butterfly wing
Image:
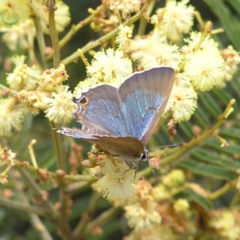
143 97
100 113
122 120
132 110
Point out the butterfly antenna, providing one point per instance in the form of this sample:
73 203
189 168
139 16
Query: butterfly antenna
171 145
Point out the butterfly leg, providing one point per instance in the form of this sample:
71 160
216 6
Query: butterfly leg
132 165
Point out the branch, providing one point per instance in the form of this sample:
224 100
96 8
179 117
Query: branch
12 204
102 39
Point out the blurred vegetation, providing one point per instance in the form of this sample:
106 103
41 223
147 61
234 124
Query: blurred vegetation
207 164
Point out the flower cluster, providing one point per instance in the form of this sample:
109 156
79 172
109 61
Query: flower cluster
7 158
141 208
13 12
199 66
116 180
124 6
171 181
12 115
17 12
110 66
106 67
51 96
52 78
232 60
157 203
23 77
15 21
60 107
174 20
18 36
199 63
35 92
124 36
32 91
225 224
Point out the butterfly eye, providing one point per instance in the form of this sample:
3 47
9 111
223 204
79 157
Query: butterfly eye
144 156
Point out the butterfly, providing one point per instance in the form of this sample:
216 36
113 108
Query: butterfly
121 120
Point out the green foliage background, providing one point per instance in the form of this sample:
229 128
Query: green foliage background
211 166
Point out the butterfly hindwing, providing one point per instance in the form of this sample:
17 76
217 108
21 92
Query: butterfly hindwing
116 145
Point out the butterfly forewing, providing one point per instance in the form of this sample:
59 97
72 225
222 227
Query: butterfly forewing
144 98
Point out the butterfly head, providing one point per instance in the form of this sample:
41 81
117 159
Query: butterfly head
144 156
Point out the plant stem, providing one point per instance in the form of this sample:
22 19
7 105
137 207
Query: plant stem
199 139
102 219
53 175
86 217
34 218
101 40
40 227
56 60
178 151
8 91
37 191
75 29
143 20
221 191
53 215
16 205
79 186
40 40
63 223
53 33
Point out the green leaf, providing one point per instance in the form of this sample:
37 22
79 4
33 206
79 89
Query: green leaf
232 133
186 127
216 145
201 117
210 104
235 84
207 170
195 197
222 95
227 20
235 4
213 158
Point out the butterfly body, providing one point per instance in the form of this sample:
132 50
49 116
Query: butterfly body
122 120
